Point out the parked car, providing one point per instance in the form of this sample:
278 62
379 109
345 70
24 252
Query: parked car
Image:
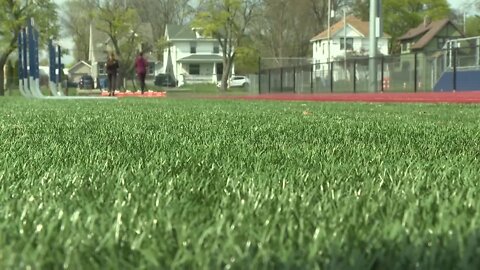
236 81
165 80
70 84
86 82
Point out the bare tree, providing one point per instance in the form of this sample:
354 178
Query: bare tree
77 16
285 28
320 11
159 13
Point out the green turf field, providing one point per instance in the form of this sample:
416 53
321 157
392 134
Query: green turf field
216 184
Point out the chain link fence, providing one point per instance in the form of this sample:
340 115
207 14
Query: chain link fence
456 67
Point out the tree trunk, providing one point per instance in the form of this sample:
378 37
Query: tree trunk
223 82
227 68
3 60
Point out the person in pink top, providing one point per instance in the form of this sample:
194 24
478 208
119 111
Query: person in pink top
141 70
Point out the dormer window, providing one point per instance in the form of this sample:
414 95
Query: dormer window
441 42
406 47
198 32
193 47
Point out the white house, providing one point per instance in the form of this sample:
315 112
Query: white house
346 38
190 57
78 70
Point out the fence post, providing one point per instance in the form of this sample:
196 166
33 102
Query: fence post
294 81
354 75
311 78
26 75
331 76
259 75
281 80
381 73
269 80
415 72
454 69
477 54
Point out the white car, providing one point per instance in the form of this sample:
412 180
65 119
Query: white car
236 81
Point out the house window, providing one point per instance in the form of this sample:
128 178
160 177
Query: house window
441 42
194 69
151 68
323 47
193 47
101 68
216 48
406 47
349 44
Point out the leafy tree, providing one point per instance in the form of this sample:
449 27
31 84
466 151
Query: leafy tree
120 24
401 15
472 26
13 18
470 9
247 59
227 21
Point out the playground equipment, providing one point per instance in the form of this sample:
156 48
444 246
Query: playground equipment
29 70
55 66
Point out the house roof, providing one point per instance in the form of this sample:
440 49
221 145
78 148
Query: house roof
427 31
197 58
180 32
361 26
77 65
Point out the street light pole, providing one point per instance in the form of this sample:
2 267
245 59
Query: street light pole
372 50
328 31
345 40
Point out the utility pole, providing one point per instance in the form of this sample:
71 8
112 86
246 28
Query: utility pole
328 30
372 50
345 41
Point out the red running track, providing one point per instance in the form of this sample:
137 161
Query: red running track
422 97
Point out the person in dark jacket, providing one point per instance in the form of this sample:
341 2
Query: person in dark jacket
141 70
112 69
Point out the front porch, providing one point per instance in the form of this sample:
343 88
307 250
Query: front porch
200 69
199 79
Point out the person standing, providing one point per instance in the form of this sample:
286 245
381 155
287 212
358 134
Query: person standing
141 70
112 69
